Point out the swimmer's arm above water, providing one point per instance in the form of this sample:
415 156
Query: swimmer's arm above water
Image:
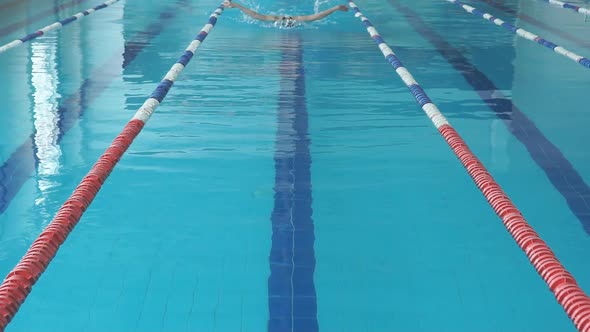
305 18
320 15
250 12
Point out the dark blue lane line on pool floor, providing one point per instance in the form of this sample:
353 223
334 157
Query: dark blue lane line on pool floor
548 157
26 21
22 163
565 35
291 290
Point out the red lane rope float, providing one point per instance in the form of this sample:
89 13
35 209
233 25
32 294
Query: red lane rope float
563 285
19 282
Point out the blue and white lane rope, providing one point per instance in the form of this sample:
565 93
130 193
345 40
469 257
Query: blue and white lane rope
150 105
53 26
581 10
524 34
427 106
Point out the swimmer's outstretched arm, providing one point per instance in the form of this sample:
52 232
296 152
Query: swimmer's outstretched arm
250 12
320 15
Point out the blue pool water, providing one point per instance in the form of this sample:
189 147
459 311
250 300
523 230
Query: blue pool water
289 181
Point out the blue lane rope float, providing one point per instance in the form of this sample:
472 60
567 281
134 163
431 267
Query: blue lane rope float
53 26
578 9
542 24
150 105
524 33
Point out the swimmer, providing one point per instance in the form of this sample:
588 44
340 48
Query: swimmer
285 21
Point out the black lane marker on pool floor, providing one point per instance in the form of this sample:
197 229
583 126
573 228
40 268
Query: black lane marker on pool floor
506 9
21 164
291 290
560 172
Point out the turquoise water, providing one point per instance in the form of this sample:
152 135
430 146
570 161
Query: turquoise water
271 130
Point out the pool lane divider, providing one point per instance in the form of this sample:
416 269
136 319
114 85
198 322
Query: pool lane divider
558 169
499 5
577 9
19 282
39 16
524 34
53 26
561 283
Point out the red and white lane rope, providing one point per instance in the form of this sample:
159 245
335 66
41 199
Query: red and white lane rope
19 282
56 25
563 285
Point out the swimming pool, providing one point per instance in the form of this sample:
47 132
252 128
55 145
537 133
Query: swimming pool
271 130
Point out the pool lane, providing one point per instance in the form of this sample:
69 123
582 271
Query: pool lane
292 297
21 163
38 17
558 169
536 22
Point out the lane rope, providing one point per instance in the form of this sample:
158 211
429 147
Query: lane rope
19 282
563 285
524 34
577 9
537 22
53 26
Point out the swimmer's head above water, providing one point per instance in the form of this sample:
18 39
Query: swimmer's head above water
284 21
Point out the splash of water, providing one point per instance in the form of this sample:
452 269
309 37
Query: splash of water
317 4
